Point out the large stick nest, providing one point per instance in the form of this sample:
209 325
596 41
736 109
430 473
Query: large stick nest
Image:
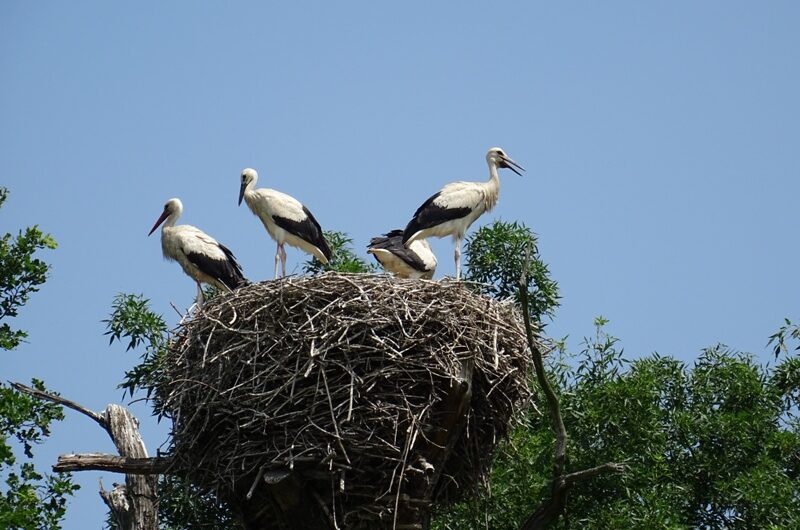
352 383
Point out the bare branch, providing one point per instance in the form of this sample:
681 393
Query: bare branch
113 463
47 396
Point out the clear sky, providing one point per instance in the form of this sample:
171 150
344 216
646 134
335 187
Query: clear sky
662 143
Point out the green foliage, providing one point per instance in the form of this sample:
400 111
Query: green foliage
711 445
133 321
496 255
779 338
182 506
29 500
20 275
344 259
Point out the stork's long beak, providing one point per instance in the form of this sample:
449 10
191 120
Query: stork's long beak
241 193
161 219
510 164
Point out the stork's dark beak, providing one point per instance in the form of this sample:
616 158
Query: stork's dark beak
506 162
241 193
161 219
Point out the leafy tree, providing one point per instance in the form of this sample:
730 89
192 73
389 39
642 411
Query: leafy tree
344 259
28 499
786 332
714 445
496 256
20 275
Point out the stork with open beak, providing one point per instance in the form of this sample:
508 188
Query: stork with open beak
286 220
416 261
202 258
451 210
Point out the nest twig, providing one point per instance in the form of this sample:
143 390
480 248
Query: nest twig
340 380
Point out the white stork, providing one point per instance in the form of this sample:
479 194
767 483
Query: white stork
201 257
451 210
286 220
416 261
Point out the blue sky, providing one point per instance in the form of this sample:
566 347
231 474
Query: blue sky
661 143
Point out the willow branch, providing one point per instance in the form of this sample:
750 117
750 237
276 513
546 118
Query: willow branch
552 508
541 377
609 467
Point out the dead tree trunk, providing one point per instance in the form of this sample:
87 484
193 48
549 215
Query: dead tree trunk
134 503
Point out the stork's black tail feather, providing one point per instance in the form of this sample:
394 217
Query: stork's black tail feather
325 248
231 273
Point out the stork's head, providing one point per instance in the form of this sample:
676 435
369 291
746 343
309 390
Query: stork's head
173 207
249 177
497 157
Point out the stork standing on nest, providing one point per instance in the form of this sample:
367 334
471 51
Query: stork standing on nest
416 261
201 257
451 210
286 220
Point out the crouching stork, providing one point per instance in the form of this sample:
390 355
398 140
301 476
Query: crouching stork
201 257
452 210
416 261
286 220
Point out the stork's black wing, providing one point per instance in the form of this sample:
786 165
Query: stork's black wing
227 270
307 229
430 214
393 242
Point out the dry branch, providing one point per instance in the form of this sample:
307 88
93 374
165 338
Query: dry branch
47 396
112 463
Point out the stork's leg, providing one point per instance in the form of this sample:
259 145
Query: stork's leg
200 297
458 259
277 258
283 261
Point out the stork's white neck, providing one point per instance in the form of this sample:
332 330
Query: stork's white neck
248 189
494 176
